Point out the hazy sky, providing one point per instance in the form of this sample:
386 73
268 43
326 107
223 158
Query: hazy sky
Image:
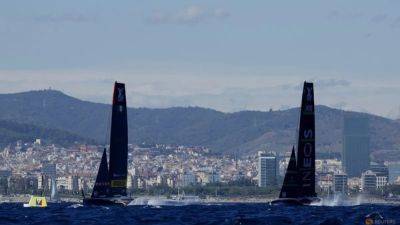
227 55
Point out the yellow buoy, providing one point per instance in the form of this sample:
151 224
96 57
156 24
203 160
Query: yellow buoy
37 201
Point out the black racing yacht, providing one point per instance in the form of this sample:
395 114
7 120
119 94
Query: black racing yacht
111 181
298 187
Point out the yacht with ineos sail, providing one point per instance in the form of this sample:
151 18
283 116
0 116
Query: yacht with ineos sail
299 183
110 187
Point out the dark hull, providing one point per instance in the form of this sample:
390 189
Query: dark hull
295 201
286 201
105 202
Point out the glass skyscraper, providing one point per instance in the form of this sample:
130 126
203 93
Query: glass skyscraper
356 145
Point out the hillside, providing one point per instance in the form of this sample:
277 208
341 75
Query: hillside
11 132
245 131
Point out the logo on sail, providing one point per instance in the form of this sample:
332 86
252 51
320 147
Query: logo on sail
121 96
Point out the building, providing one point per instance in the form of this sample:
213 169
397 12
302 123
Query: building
31 184
213 177
37 142
135 180
325 181
381 181
16 184
368 181
75 184
379 169
49 173
69 183
4 181
188 179
382 174
209 177
19 184
64 183
394 172
129 182
354 183
171 182
83 184
49 170
267 169
340 183
356 147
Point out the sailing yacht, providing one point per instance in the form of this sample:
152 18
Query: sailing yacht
299 183
54 194
111 181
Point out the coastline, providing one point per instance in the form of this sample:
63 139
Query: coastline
208 200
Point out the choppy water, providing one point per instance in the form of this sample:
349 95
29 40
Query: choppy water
12 213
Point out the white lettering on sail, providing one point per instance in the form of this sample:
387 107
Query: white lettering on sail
307 162
121 94
308 134
307 149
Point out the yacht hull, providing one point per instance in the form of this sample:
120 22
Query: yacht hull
296 201
286 201
105 202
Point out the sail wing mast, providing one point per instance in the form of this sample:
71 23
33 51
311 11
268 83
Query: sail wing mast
119 142
306 143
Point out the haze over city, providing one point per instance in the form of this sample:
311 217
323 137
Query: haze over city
225 55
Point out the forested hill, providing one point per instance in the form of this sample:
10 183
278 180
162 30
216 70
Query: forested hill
11 131
245 131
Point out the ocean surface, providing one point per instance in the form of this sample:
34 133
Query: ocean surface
13 213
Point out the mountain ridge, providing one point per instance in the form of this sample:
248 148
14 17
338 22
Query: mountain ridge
230 133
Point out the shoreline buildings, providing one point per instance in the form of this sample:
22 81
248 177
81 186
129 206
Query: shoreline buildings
340 183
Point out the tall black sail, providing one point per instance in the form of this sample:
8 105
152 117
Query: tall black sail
290 186
119 142
306 143
101 187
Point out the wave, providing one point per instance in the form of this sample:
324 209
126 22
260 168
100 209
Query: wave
342 200
139 201
163 201
74 206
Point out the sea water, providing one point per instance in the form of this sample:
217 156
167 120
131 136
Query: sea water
221 214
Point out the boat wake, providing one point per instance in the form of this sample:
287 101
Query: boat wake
74 206
340 200
139 201
164 201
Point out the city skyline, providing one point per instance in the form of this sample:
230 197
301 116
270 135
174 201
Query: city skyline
199 112
228 56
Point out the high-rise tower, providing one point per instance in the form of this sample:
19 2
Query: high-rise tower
356 147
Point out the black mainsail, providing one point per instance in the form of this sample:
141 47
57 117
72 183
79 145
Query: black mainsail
101 187
119 142
290 187
306 143
299 182
111 181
